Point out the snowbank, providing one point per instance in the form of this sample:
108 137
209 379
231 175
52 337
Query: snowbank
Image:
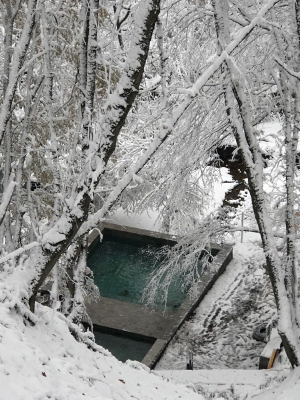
46 362
287 389
238 384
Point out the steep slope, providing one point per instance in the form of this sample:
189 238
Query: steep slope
46 362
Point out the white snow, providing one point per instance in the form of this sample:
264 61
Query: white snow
46 362
240 383
145 220
7 196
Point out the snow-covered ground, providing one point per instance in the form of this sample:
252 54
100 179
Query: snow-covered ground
220 332
45 362
225 383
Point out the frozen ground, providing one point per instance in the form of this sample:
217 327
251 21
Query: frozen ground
45 362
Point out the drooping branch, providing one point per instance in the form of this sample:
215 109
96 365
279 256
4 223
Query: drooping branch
167 126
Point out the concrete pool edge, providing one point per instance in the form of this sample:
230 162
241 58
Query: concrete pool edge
220 262
155 353
208 278
143 233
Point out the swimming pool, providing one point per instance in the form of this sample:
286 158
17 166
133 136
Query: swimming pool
122 267
119 310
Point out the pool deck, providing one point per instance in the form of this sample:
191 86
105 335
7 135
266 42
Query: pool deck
131 317
137 319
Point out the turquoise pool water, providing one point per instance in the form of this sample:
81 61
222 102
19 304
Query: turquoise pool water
122 267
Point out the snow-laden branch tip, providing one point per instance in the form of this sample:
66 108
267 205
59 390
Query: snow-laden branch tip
286 68
19 251
7 195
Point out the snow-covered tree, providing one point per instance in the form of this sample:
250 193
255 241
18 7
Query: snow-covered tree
71 72
256 79
250 76
281 269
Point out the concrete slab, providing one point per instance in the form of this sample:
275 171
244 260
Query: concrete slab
155 352
131 317
136 233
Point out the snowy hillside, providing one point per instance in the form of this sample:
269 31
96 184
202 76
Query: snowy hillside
46 362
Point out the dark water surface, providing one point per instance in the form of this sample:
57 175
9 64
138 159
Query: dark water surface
123 348
122 267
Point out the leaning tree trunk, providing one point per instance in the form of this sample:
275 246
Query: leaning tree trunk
283 279
118 107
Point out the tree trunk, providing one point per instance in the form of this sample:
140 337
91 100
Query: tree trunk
118 106
283 279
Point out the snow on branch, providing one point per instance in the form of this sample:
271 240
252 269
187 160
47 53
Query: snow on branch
187 258
19 55
118 103
286 68
19 251
7 195
84 337
118 106
168 124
